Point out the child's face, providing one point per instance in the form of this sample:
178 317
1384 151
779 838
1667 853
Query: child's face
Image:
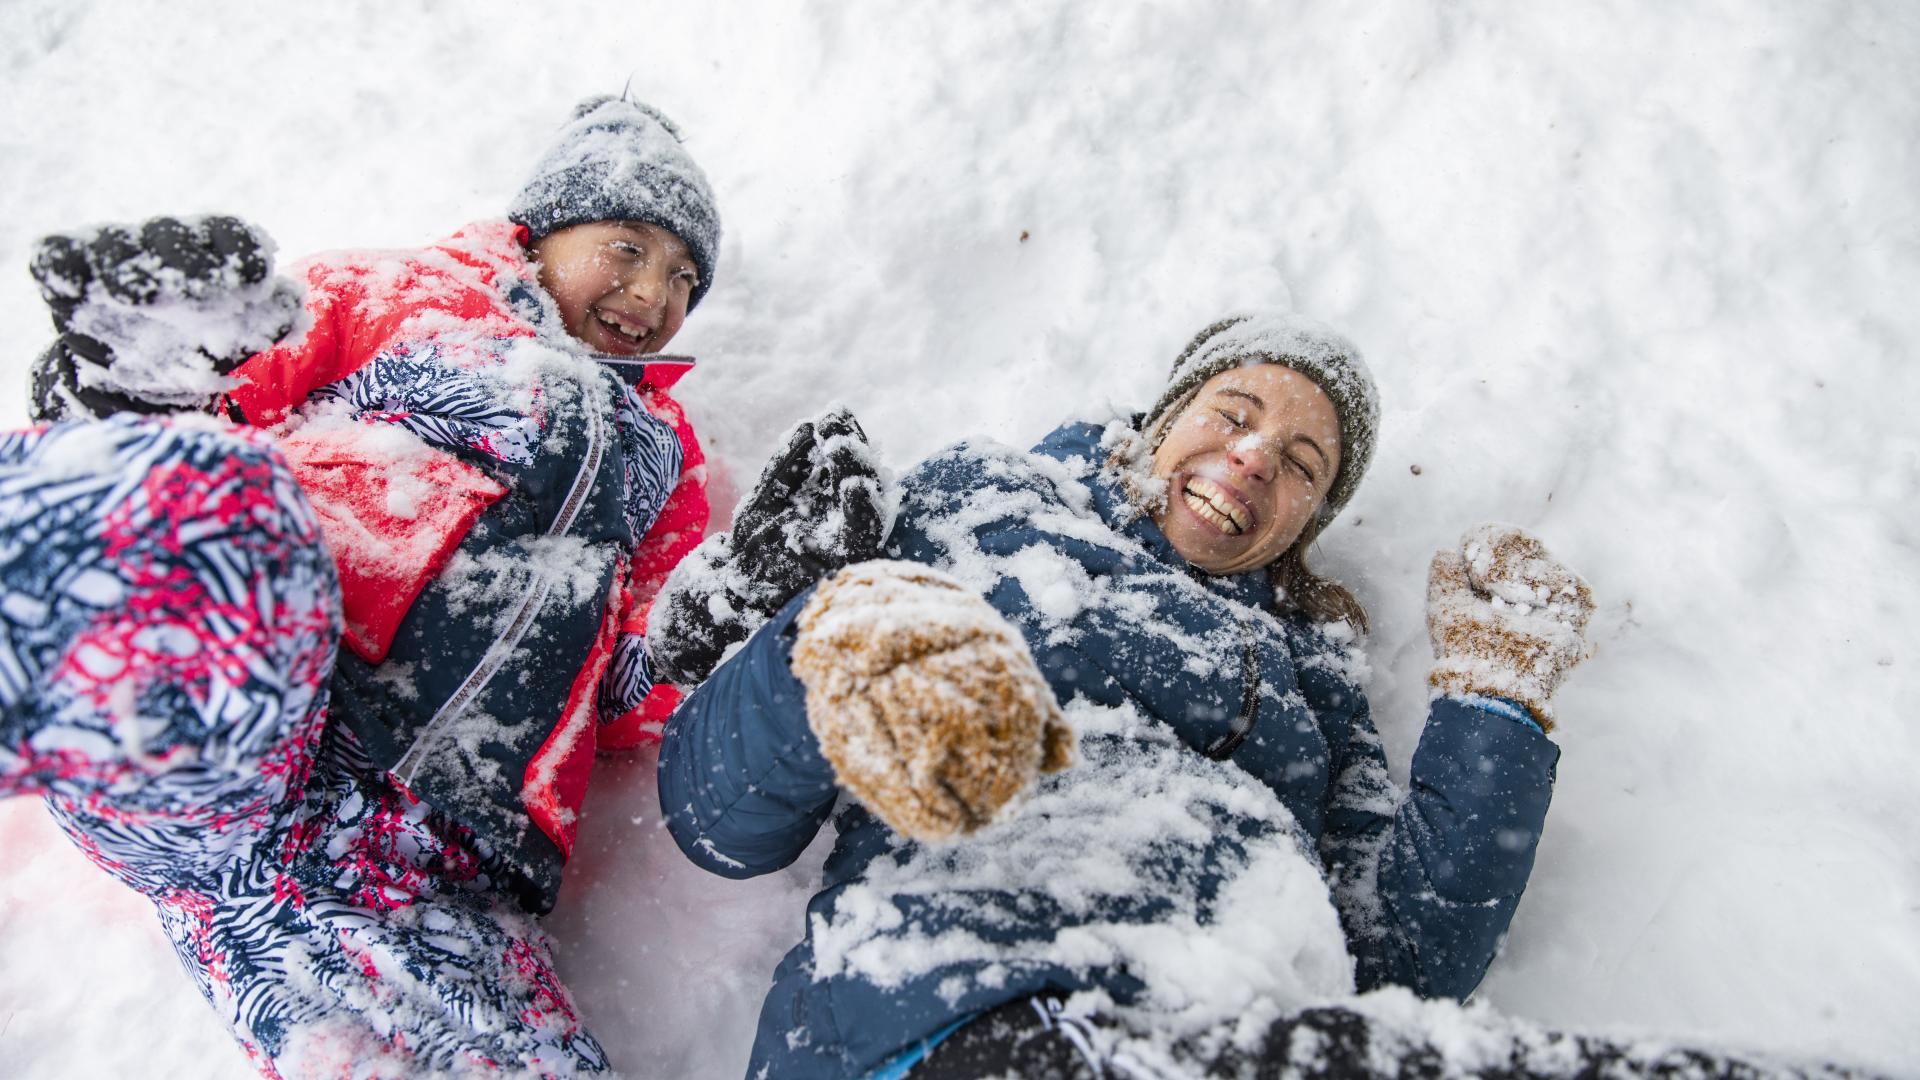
621 286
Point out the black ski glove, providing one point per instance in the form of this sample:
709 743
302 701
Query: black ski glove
817 507
151 319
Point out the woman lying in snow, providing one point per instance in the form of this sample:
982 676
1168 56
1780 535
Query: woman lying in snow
1225 847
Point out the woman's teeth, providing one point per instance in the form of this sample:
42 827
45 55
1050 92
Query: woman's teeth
1211 502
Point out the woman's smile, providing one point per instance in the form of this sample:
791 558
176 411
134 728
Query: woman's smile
1217 505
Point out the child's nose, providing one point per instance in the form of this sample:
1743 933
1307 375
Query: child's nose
646 286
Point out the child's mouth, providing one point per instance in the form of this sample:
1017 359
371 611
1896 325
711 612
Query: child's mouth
623 329
1213 505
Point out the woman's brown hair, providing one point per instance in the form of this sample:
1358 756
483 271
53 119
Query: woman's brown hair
1296 588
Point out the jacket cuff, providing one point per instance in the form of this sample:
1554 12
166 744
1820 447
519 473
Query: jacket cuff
1500 706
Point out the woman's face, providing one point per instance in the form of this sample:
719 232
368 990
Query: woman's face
1246 465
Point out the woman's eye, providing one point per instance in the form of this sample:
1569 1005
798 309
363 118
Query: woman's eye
1232 418
1301 467
631 251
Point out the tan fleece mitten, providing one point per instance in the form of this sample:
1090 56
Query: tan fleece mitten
1506 619
924 699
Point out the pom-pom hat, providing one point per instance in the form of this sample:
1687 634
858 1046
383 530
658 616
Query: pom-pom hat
1291 341
620 160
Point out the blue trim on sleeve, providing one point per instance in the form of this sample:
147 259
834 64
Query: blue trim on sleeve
913 1055
1500 706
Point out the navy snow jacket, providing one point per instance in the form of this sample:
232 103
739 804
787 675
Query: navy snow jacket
1425 886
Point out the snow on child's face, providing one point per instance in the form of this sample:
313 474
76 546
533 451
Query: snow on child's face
1247 464
621 286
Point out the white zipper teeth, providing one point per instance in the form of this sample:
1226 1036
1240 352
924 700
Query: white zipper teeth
496 655
476 680
582 480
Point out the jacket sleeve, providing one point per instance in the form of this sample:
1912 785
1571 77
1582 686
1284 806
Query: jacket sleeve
273 382
1427 884
633 707
743 785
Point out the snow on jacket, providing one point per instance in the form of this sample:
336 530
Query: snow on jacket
502 506
1145 653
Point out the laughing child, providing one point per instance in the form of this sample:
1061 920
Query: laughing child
462 464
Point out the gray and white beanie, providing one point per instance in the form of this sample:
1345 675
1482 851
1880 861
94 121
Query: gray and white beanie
1291 341
620 160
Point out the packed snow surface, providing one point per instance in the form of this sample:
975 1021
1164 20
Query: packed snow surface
1097 842
1639 279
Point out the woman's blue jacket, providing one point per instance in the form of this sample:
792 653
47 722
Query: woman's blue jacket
1425 885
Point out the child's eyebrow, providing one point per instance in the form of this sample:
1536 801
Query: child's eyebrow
640 229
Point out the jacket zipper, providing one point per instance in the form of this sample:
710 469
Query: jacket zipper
496 655
1223 747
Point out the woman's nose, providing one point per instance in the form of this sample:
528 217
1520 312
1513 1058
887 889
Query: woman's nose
1253 459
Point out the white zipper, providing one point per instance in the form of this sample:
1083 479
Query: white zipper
496 655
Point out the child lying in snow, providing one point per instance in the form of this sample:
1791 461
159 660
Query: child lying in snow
344 844
1176 880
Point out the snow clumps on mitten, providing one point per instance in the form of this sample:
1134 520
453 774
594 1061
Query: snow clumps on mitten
924 699
1506 619
153 317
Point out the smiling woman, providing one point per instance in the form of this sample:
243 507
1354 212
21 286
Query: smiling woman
1260 413
1132 595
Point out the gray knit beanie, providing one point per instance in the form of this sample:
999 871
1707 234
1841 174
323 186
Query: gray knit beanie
1291 341
620 160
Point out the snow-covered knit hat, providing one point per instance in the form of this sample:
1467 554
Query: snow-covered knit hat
1291 341
620 160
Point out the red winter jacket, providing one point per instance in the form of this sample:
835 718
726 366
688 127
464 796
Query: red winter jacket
394 512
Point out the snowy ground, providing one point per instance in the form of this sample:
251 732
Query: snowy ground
1642 278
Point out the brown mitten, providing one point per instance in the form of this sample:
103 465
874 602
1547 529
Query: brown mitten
924 699
1506 619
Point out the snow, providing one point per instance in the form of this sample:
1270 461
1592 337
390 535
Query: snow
1638 280
1097 841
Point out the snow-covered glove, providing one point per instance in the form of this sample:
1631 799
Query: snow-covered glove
152 318
817 507
925 700
1506 619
